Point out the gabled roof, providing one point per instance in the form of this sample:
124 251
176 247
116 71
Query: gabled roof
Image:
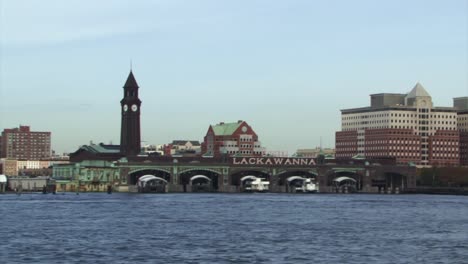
183 142
418 91
225 129
131 82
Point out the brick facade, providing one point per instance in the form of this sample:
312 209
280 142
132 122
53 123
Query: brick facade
22 143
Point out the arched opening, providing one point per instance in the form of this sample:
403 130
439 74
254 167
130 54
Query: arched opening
299 184
151 184
199 180
135 175
345 181
345 184
201 183
298 181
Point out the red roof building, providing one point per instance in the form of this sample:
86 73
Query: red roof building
232 139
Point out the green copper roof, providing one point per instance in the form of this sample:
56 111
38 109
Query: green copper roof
101 148
225 129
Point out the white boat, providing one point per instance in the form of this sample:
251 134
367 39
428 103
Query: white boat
254 184
309 186
260 185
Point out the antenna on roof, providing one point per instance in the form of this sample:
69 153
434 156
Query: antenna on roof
130 64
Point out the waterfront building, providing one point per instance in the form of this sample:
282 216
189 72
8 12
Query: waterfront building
407 127
22 143
232 139
15 167
88 175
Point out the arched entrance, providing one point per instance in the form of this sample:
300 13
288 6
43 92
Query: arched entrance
151 184
201 183
199 180
345 184
345 181
298 181
134 176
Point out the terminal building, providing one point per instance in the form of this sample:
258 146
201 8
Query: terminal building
232 160
407 127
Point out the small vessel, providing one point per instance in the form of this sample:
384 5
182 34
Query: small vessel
259 185
308 186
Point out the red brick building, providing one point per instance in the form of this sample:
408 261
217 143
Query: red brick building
22 143
232 139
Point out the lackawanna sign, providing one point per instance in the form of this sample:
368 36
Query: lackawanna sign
274 161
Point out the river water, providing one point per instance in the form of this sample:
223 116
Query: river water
233 228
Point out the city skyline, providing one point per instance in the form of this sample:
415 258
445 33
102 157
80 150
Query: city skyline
286 68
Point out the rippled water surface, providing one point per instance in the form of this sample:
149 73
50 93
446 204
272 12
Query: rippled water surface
233 228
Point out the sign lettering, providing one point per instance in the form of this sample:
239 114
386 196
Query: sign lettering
274 161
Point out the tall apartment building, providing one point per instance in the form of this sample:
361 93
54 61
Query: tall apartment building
407 127
233 139
22 143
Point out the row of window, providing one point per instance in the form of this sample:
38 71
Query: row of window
404 121
399 127
407 115
247 152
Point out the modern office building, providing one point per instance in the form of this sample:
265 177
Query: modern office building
232 139
407 127
22 143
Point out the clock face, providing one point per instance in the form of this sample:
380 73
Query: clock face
125 108
244 129
134 108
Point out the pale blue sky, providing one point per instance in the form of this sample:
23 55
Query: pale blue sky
286 67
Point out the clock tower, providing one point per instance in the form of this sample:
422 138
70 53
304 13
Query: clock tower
130 142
